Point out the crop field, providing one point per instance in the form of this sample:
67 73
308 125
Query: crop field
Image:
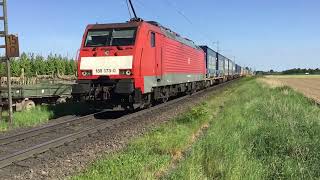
248 131
308 85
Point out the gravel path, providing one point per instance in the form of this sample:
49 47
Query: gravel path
62 162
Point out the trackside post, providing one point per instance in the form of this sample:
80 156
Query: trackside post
11 50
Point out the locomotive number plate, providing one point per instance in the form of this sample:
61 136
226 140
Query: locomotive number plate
106 72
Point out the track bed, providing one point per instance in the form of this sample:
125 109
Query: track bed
76 154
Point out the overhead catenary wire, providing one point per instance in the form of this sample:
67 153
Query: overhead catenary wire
128 9
203 34
179 11
132 8
143 5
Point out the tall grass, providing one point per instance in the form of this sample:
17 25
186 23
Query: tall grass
42 114
262 133
144 157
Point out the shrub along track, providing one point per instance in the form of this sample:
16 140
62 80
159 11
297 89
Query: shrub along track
92 141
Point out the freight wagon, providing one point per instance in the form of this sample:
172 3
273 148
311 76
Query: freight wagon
214 65
221 66
238 70
26 97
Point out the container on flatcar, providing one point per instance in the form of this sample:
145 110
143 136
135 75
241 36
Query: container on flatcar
238 70
234 68
211 62
226 66
231 68
221 66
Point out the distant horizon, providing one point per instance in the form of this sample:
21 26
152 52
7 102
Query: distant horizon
261 35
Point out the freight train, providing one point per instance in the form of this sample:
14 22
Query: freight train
138 63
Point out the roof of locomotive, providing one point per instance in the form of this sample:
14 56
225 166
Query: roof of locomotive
173 35
169 33
114 25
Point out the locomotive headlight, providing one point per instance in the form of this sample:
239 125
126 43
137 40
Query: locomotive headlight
127 72
86 73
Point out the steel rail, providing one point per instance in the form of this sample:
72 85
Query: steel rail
40 130
40 148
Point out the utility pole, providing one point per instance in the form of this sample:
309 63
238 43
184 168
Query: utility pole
11 50
5 34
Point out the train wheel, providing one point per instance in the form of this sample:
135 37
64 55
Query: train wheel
166 96
148 101
61 100
129 108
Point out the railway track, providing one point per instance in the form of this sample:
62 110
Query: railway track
92 128
33 132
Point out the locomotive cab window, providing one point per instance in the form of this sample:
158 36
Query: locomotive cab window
153 39
111 37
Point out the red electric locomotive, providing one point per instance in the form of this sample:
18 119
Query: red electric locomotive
136 63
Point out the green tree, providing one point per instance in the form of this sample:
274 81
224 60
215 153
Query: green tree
3 69
39 65
25 63
15 68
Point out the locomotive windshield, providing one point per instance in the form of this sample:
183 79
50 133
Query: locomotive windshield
111 37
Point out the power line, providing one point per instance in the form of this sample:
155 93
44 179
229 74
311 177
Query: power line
132 8
128 9
182 14
179 11
148 9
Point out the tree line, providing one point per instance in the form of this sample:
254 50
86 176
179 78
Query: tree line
33 65
302 71
295 71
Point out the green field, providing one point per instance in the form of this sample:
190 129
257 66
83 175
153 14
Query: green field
254 132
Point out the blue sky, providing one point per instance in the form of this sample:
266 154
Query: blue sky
265 34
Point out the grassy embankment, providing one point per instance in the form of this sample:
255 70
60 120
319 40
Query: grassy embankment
42 114
254 132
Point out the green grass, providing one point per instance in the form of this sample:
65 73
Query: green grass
262 133
38 115
147 156
42 114
255 133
